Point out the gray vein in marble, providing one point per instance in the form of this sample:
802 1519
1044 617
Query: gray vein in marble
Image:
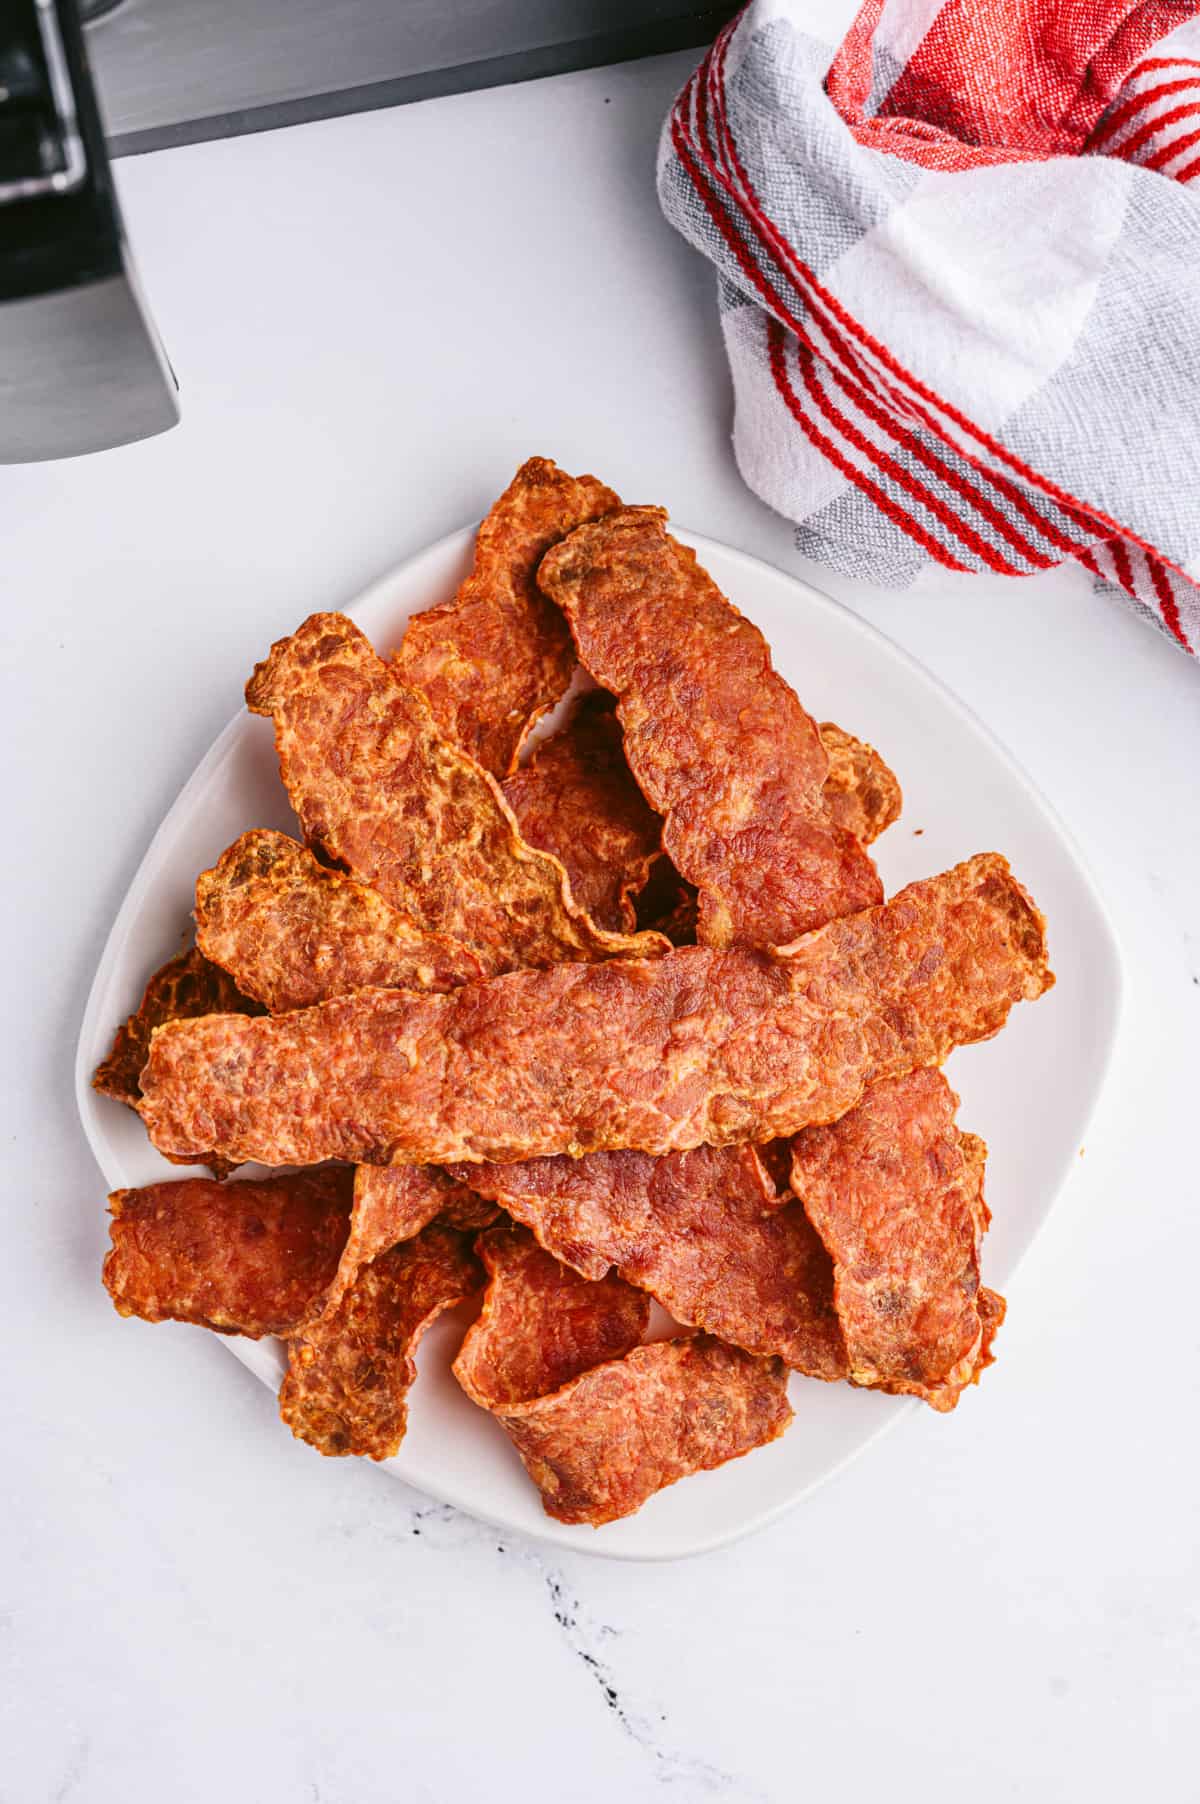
75 1769
441 1525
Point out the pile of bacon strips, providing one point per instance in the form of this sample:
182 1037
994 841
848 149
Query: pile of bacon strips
629 1021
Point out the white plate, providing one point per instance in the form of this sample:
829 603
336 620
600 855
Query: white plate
1029 1092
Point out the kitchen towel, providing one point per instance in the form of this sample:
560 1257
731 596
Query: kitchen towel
959 282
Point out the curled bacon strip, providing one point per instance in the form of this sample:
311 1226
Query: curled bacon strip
495 658
603 1444
600 1422
541 1323
577 799
394 1203
702 1232
381 791
896 1193
292 932
252 1257
659 1055
349 1374
860 793
717 740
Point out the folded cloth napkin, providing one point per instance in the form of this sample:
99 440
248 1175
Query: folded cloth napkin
959 281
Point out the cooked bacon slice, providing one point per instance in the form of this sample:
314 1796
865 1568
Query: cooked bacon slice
576 798
492 661
896 1193
702 1232
392 1203
718 742
380 790
660 1055
296 932
945 1395
349 1375
542 1324
186 986
611 1438
600 1422
699 702
251 1257
292 932
860 793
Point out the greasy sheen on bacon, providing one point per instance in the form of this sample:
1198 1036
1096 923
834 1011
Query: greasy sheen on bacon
601 1445
860 792
541 1323
349 1375
495 658
381 791
186 986
718 742
576 798
700 1231
699 1046
896 1193
292 932
250 1257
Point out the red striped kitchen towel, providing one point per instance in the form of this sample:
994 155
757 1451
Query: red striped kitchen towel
959 280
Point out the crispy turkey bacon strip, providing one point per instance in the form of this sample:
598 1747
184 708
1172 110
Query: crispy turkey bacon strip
380 790
292 932
600 1422
659 1055
901 1174
542 1324
601 1445
576 798
186 986
295 933
717 740
700 1231
349 1374
252 1257
495 658
944 1395
687 1227
392 1203
944 1392
860 792
896 1193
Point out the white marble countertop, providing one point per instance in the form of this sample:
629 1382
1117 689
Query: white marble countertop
373 320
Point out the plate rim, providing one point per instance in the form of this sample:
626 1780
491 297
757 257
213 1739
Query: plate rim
570 1536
